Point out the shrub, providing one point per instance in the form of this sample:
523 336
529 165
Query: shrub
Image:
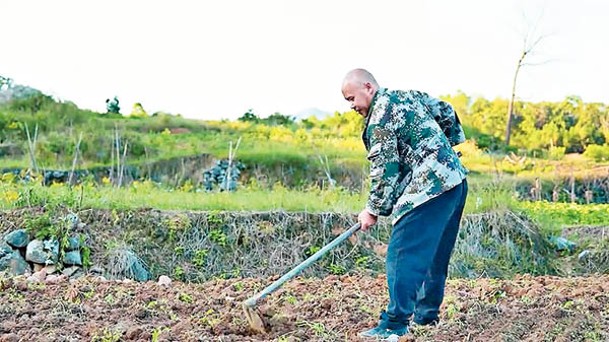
597 152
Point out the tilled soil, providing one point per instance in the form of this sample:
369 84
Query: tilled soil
304 309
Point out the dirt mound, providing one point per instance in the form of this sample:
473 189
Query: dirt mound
313 309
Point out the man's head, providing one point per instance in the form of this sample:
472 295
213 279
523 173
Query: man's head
359 87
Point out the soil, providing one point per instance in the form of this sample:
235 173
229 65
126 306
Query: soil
334 308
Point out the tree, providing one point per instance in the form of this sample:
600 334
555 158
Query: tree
531 41
138 111
249 116
5 82
278 119
112 106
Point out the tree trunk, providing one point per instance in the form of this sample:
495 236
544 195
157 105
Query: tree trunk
510 113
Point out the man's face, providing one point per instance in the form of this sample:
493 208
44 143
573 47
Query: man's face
359 95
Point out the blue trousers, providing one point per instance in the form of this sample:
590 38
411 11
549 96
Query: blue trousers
418 254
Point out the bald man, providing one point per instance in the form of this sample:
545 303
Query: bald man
418 180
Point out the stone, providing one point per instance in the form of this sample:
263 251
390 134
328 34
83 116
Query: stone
5 249
56 278
97 269
35 252
50 269
140 273
73 244
39 276
72 258
14 263
164 280
70 271
17 238
52 246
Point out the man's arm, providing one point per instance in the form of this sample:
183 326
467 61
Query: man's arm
384 171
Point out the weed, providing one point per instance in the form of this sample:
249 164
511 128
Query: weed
290 299
179 250
210 318
362 261
178 272
200 257
218 236
107 335
238 286
337 269
156 333
109 299
185 297
318 328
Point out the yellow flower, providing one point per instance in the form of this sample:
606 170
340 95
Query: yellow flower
11 196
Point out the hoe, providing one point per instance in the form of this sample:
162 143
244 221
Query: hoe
249 306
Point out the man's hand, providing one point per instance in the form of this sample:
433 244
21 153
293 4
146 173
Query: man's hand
366 219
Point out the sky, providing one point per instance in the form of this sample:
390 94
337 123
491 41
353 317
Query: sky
217 59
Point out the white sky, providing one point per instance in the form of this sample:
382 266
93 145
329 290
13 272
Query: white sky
216 59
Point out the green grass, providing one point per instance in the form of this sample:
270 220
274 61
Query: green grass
563 214
483 196
147 195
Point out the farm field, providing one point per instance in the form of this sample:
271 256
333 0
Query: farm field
332 308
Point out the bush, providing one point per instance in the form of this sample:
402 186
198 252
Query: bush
597 152
556 152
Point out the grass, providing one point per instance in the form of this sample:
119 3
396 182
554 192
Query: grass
483 196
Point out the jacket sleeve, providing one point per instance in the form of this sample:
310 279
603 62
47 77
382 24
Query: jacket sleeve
384 171
446 117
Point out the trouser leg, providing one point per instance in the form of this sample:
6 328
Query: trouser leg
412 247
431 293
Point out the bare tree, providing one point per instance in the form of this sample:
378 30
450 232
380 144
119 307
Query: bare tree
531 42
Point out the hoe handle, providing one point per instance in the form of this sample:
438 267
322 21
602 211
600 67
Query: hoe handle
251 302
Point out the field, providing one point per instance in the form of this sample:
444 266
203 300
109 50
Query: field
531 261
333 308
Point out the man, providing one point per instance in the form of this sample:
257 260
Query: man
418 179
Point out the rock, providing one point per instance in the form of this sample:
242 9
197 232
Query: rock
52 246
17 238
69 271
39 276
124 263
97 269
14 263
5 249
50 269
73 244
140 273
54 278
562 244
42 252
38 267
35 252
164 280
72 258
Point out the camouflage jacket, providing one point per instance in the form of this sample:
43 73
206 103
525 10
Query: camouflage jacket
409 137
